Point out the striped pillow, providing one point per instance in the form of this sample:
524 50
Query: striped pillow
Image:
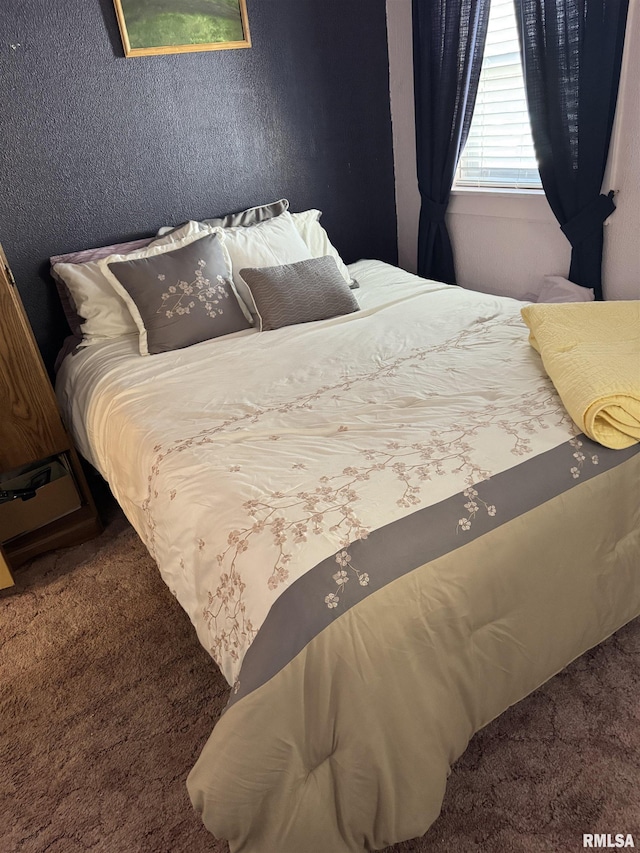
301 292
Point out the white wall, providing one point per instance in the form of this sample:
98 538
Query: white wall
622 233
403 126
507 242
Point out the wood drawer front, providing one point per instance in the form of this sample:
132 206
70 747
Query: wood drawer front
6 580
30 425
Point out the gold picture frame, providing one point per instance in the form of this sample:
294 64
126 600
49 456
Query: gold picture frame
157 27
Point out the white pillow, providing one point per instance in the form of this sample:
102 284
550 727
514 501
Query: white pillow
104 312
558 289
193 227
317 239
272 243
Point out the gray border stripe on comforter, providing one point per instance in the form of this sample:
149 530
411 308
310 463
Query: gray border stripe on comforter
316 599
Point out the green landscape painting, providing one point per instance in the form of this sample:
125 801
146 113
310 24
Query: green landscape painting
176 26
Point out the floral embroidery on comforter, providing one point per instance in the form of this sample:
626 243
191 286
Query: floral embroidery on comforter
274 451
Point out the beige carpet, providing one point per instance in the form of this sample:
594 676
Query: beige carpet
106 699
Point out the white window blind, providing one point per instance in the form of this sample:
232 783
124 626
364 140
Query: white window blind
499 151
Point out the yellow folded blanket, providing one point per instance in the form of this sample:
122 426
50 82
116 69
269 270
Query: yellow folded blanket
591 351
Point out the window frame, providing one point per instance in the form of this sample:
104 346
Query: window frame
496 188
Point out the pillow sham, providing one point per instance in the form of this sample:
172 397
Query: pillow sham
100 312
251 216
68 305
300 292
559 289
245 218
178 295
274 242
317 241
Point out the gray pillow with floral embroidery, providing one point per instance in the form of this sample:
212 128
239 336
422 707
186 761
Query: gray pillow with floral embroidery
182 296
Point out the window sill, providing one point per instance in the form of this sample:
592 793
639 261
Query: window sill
508 192
501 203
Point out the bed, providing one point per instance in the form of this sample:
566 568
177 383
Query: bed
385 529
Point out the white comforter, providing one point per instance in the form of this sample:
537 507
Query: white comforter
242 462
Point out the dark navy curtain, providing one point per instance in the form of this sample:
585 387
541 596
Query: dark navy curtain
448 45
571 54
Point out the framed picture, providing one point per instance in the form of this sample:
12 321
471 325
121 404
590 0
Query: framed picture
151 27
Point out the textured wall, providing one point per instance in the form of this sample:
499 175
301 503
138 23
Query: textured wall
97 148
506 243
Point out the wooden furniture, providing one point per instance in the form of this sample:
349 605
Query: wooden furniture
31 430
6 579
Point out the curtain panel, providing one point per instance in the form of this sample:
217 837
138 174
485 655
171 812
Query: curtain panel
448 46
572 55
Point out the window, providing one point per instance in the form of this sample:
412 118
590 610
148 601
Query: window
499 151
